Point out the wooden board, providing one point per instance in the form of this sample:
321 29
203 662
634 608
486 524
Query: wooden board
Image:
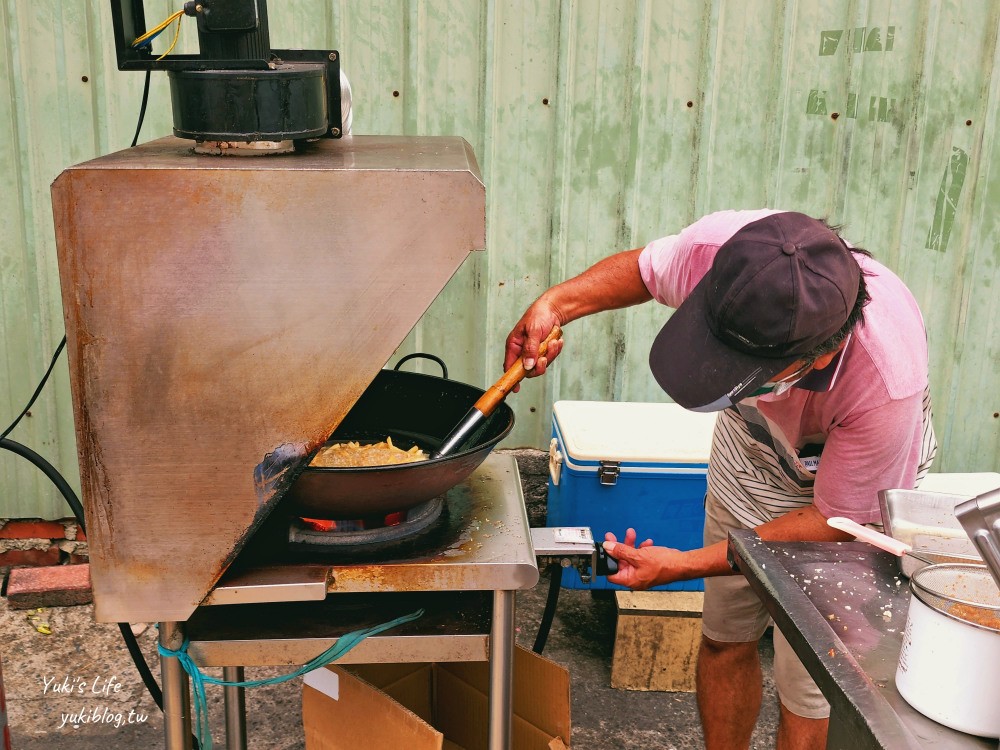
656 640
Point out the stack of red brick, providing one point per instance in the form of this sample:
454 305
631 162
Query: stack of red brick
35 543
46 562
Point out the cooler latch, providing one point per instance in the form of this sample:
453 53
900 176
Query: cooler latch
608 471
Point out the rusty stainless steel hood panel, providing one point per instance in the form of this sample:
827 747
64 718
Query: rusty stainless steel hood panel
222 316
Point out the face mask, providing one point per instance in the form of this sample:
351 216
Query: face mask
782 387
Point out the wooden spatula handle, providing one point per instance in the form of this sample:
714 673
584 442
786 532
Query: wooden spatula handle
499 390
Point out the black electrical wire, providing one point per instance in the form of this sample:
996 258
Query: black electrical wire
555 583
142 109
54 476
41 384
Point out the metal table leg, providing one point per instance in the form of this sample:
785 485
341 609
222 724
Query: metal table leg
236 710
176 696
501 671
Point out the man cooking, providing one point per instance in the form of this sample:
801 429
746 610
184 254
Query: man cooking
815 357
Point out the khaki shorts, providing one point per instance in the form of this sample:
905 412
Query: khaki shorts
734 614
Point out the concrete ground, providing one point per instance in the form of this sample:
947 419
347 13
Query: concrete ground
83 668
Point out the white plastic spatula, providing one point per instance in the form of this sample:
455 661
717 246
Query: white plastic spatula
876 538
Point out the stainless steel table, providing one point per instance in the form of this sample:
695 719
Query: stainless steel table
270 611
842 607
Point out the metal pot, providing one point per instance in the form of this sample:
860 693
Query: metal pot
949 664
412 409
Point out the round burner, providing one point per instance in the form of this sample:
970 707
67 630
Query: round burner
241 148
417 520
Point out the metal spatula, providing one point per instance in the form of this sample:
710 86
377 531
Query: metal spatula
490 400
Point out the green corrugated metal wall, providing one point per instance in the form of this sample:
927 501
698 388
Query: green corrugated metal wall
598 126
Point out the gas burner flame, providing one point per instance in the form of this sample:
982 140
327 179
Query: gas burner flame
319 524
329 526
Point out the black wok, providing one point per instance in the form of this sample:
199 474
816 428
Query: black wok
412 409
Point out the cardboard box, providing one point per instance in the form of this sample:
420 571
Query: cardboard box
656 640
613 465
432 706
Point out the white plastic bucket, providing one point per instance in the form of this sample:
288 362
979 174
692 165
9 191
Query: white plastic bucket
949 664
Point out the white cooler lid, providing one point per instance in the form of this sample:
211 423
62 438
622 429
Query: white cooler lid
633 432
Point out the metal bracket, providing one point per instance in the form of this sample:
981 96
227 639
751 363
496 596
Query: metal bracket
330 58
568 546
607 473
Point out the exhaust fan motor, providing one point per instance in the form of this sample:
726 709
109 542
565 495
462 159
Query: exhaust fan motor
237 90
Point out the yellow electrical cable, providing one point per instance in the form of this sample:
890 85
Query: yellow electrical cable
157 29
177 35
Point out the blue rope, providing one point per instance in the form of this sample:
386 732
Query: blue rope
199 679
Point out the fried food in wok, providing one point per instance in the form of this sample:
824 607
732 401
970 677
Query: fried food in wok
352 454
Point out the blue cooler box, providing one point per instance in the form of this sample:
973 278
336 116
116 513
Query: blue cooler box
615 465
